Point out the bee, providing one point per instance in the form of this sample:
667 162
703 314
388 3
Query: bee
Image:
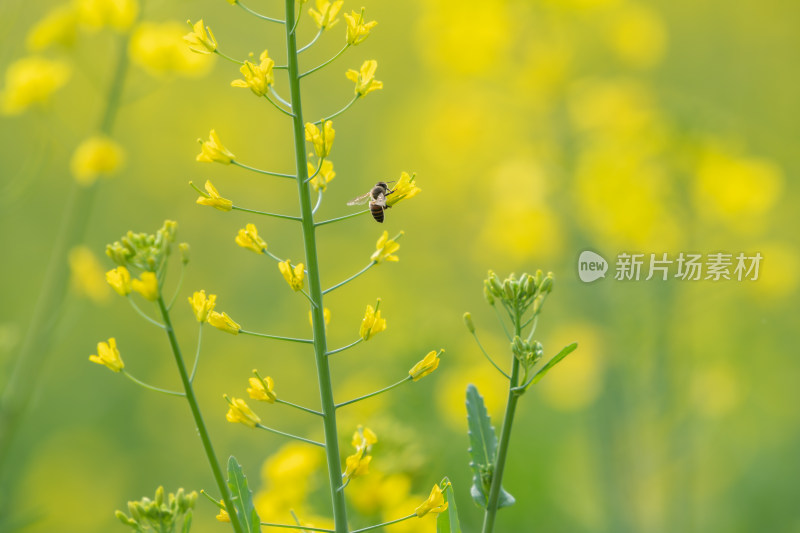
377 199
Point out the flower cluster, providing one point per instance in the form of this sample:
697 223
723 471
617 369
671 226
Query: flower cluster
357 464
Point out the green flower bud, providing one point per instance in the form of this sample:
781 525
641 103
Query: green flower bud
160 495
487 292
495 285
508 289
184 249
547 284
125 519
468 322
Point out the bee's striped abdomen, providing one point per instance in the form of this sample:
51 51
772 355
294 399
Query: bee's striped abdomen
377 211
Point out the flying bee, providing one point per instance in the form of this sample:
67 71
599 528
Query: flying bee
377 199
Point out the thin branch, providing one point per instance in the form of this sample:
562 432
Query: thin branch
306 409
138 310
342 110
343 348
376 526
319 202
150 387
326 63
276 106
197 354
229 58
503 324
276 337
178 287
311 43
370 395
278 97
267 172
488 357
302 439
292 526
276 215
341 218
259 15
351 278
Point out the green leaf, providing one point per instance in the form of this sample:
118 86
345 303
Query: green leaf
187 522
242 497
448 521
554 361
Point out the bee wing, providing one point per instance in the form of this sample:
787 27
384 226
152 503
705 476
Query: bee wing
359 200
379 200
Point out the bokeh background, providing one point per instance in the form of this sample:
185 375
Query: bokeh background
537 129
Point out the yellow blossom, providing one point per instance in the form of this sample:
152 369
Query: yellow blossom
363 437
323 177
87 274
357 464
146 285
212 150
120 280
357 29
239 411
323 140
326 314
325 14
213 199
294 276
201 37
59 26
372 323
262 389
404 188
108 355
384 249
118 14
434 504
202 306
427 365
257 77
223 515
160 49
248 238
365 78
96 157
223 322
31 80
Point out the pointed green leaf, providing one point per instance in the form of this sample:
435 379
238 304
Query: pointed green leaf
242 497
447 522
554 361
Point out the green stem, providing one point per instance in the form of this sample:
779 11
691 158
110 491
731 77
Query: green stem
295 437
311 43
325 64
198 419
277 337
488 357
371 394
278 97
342 110
505 435
143 314
150 387
343 348
267 172
276 215
259 15
300 407
279 108
312 264
292 526
197 353
376 526
351 278
229 58
341 218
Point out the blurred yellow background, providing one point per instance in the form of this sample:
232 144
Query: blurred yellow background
537 129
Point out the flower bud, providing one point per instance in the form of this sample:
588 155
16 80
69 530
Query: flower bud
468 322
487 292
160 495
547 284
494 285
125 519
509 289
184 250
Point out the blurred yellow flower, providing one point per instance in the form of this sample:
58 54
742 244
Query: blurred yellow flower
405 188
118 14
212 150
87 274
638 35
325 175
580 378
294 276
322 140
372 323
120 280
325 14
213 199
96 157
364 78
357 464
223 515
426 366
108 355
223 322
384 249
326 313
262 389
160 49
32 80
201 37
357 28
248 238
59 26
434 504
257 77
202 305
239 411
146 285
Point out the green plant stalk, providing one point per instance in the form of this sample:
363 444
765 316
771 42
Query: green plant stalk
505 435
312 264
198 419
26 368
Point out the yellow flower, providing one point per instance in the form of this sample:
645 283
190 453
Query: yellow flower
357 29
262 389
87 274
223 515
323 140
213 199
434 504
363 437
202 305
358 463
427 365
372 323
294 276
325 14
146 285
95 157
31 80
248 238
323 177
385 247
160 49
223 322
405 188
201 37
59 26
238 411
326 314
257 77
212 150
365 78
109 355
120 280
96 14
